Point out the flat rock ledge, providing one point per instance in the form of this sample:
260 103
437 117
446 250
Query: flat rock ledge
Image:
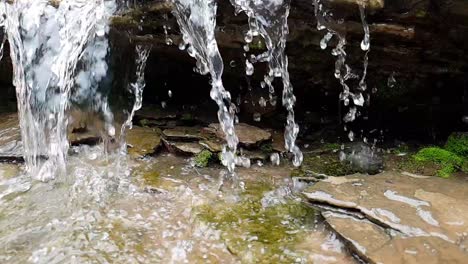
397 218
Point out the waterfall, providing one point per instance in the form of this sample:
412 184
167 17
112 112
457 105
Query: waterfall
48 40
269 19
197 22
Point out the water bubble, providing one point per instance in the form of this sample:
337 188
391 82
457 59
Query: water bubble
169 93
163 104
232 64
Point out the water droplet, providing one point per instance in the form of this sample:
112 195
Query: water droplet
169 93
391 80
233 64
249 68
257 117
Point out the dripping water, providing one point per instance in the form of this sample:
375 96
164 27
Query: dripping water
136 88
197 22
269 19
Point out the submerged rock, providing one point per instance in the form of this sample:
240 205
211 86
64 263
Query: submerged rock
143 141
248 135
386 218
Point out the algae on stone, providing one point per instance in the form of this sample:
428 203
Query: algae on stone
203 158
256 233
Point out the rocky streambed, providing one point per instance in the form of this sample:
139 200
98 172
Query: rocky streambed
170 201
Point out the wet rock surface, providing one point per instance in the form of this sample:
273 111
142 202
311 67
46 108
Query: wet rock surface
248 135
11 147
143 141
395 218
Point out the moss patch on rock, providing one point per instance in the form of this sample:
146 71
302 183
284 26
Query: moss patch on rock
433 161
448 162
203 158
256 233
458 144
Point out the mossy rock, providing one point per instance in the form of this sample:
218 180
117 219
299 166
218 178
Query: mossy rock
203 158
445 162
458 144
143 141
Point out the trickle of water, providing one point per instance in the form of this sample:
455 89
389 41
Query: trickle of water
269 19
197 22
48 43
136 88
343 71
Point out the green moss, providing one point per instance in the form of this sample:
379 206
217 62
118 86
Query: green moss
458 144
266 148
446 161
271 229
152 178
203 158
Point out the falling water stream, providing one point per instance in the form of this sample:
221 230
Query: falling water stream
47 44
197 22
270 20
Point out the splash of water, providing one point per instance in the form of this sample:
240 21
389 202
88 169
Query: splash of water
269 19
47 42
137 87
197 22
343 72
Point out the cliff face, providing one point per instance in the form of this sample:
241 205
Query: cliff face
417 62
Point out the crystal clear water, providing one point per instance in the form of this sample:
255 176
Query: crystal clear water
156 210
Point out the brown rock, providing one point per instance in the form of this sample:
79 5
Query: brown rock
248 135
